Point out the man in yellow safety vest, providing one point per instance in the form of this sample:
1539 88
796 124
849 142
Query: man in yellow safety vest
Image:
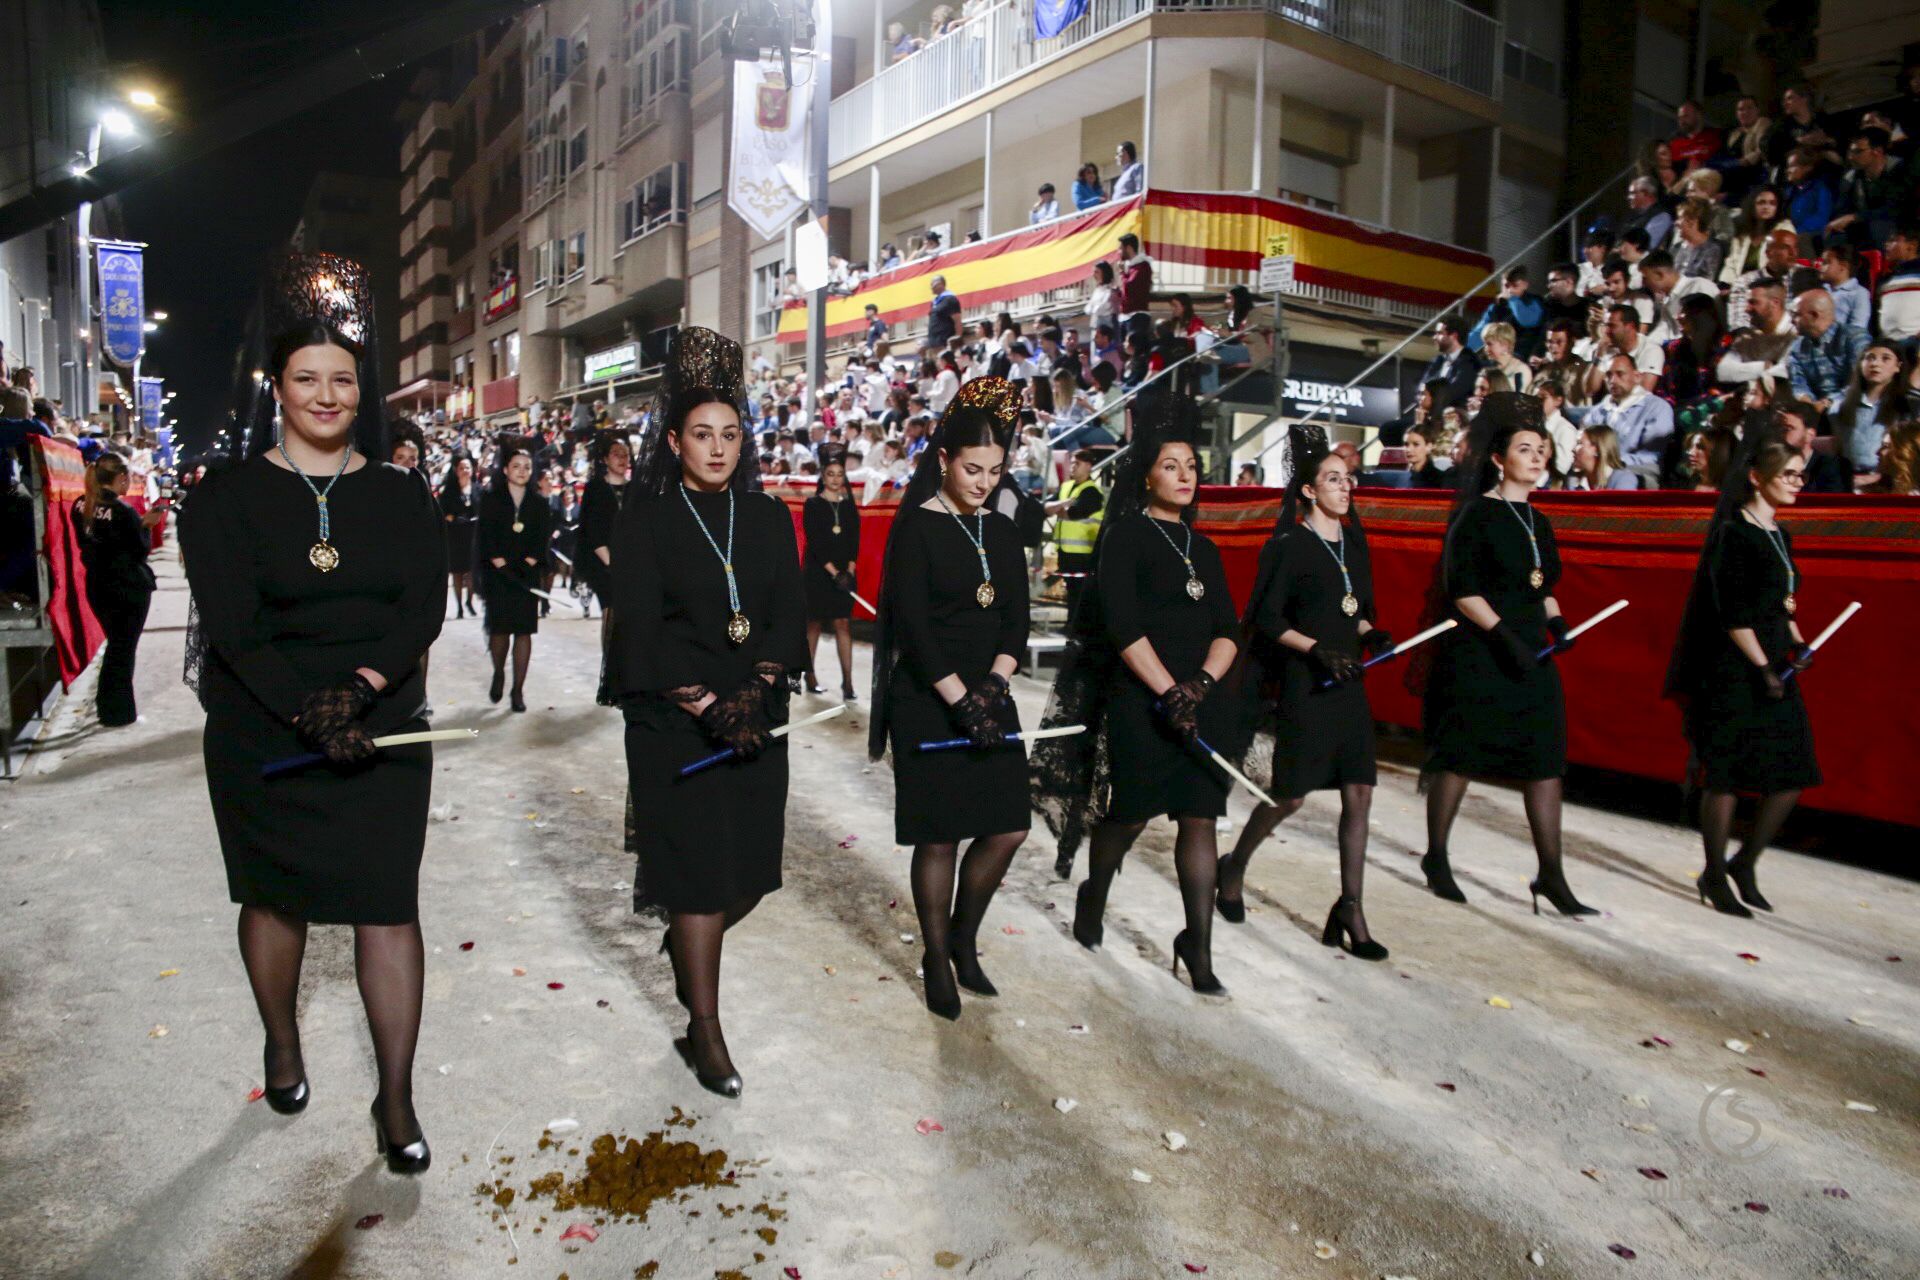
1077 523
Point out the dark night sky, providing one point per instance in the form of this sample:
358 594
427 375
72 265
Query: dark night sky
212 223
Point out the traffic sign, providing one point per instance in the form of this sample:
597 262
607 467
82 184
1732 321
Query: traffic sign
1276 273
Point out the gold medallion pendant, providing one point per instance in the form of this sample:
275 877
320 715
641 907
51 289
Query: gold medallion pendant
1196 588
1536 579
738 628
518 527
1349 604
983 595
1790 603
324 558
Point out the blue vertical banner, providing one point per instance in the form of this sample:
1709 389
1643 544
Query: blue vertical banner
152 391
163 447
1051 17
123 301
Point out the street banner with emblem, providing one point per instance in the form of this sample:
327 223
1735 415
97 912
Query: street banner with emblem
767 182
1051 17
123 301
152 392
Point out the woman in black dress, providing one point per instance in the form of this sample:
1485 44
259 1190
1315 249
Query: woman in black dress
831 519
608 487
1493 705
315 645
510 537
1308 622
953 618
706 587
114 543
459 501
1733 667
1156 631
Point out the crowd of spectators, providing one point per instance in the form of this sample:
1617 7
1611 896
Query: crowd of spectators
1775 262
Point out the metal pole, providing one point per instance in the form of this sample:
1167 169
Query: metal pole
1146 123
873 216
1386 164
817 163
1259 118
986 184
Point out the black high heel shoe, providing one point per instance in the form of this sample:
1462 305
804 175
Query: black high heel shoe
290 1101
937 984
414 1157
729 1085
813 685
1560 896
847 694
1439 874
966 968
1717 893
1089 933
517 702
1232 910
1339 933
1741 871
1207 986
498 687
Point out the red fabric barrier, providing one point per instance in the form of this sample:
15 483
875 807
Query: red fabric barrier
158 535
1642 547
76 634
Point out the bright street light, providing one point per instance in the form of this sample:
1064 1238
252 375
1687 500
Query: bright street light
159 315
149 327
117 122
143 98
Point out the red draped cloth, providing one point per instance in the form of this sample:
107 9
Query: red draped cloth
76 633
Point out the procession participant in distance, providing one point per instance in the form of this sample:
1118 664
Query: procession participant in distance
315 645
459 505
1732 667
953 620
1076 524
1154 634
831 519
510 540
1310 621
710 624
609 484
405 445
1492 707
114 545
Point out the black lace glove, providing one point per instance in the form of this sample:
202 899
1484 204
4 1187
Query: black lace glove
1558 628
1513 651
350 745
331 710
844 580
1772 687
1332 664
738 719
1800 657
1376 641
1180 706
977 713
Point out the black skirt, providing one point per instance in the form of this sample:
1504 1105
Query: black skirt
708 841
943 796
826 602
1154 773
512 610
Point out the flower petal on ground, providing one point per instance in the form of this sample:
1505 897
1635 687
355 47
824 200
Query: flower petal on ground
1622 1251
1738 1046
1064 1105
370 1221
1323 1250
1500 1002
468 946
1757 1206
580 1231
1652 1174
926 1126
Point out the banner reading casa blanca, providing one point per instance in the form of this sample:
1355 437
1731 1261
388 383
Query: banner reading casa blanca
1219 232
768 182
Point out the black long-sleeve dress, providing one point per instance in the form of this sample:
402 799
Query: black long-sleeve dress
325 844
833 537
708 841
933 575
1323 738
1143 592
599 513
457 511
114 548
1479 716
512 610
1742 740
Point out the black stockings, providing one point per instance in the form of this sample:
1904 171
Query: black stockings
1716 826
462 593
391 961
1261 823
1195 862
522 657
842 644
950 919
1445 791
694 943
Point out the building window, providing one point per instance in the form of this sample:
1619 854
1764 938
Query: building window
513 355
656 201
462 294
710 16
575 250
577 151
767 300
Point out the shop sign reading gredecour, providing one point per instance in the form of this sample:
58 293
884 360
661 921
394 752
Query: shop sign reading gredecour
614 362
1334 402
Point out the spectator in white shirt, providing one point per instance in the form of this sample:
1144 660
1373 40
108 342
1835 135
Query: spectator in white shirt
1624 339
1046 208
947 384
1760 350
1560 430
1595 250
1666 290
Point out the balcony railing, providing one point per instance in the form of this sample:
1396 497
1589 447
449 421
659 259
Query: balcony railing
1442 38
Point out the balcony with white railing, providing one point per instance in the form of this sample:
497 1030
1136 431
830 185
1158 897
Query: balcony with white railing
1440 38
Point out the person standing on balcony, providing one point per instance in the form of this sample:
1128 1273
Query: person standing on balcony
1136 288
1133 175
1045 209
1087 189
943 318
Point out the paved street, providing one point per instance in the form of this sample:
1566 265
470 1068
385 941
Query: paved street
1722 1098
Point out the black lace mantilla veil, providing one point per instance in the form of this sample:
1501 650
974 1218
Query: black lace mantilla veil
1072 777
299 287
998 402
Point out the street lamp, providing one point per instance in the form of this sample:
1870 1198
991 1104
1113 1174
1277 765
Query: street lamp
117 122
143 98
159 315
